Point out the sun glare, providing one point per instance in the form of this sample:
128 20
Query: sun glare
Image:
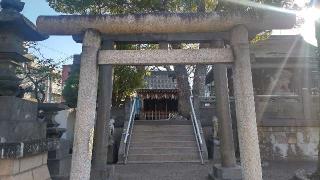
301 3
309 15
307 29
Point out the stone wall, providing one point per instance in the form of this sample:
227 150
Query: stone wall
290 143
286 110
19 121
27 168
284 132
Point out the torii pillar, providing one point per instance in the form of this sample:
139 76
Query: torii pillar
228 168
245 106
102 130
86 109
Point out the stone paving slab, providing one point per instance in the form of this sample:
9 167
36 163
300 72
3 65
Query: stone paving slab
275 170
285 170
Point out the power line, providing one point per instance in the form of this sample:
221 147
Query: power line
54 50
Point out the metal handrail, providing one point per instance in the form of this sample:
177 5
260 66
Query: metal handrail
196 128
127 138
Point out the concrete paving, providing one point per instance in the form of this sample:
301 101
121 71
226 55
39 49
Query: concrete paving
275 170
283 170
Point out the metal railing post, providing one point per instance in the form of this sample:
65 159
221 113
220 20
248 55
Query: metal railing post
129 129
196 128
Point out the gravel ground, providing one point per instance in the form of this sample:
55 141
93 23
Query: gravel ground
272 170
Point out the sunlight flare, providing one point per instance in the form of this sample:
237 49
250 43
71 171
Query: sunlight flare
307 29
307 15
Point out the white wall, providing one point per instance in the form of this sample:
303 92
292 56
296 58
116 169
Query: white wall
66 119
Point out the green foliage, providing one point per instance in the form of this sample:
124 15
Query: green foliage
261 37
125 81
70 90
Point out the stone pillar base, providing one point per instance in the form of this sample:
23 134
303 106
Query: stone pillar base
222 173
102 174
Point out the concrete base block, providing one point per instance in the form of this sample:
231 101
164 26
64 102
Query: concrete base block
216 151
222 173
26 168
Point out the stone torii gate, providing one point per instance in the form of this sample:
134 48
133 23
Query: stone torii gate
157 28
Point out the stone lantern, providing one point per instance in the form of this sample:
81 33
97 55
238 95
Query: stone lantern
15 29
23 142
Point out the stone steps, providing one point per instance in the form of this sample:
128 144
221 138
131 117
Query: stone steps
172 127
163 128
163 122
159 150
161 132
162 137
160 158
163 142
162 171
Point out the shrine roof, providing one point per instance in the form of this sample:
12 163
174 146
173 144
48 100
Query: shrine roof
283 46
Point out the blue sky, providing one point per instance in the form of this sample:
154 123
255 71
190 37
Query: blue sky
56 47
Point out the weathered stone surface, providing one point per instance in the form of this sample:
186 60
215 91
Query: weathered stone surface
19 121
10 19
228 158
284 46
289 143
245 106
31 162
10 42
9 166
307 104
25 168
102 129
150 38
23 176
41 173
86 108
15 5
16 109
226 173
62 152
22 131
176 56
279 107
44 158
162 23
60 167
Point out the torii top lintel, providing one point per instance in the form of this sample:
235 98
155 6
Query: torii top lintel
162 23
